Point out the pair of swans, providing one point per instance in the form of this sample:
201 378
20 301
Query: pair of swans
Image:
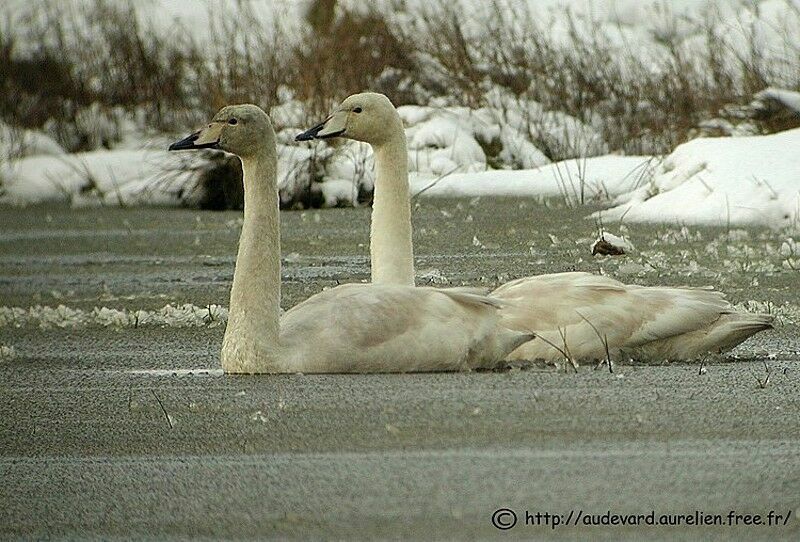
392 326
353 328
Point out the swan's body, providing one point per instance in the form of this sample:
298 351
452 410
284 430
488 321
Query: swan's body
350 328
578 316
372 328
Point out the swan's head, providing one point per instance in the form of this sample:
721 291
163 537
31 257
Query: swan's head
369 117
243 130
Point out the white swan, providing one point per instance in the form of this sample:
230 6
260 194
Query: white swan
350 328
577 316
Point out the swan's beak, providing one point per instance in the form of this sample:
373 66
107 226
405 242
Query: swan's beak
207 138
333 126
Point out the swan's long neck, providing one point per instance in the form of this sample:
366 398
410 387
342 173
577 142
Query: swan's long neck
391 248
251 341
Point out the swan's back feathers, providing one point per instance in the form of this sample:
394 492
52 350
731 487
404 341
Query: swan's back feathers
467 296
585 315
390 328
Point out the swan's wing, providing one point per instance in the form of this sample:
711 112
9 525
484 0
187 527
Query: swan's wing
386 328
581 313
468 295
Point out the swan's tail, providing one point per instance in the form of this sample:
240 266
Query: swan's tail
506 341
726 332
734 328
515 339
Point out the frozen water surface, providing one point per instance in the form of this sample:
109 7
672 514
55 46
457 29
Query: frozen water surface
119 430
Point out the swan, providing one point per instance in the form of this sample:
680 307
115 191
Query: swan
354 328
576 315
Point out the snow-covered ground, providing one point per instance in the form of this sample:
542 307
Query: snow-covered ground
727 180
574 181
19 142
776 97
719 181
115 177
707 181
711 181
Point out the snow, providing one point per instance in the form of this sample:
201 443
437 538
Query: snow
124 177
721 181
644 32
445 140
562 133
598 178
116 177
641 29
186 315
7 352
712 181
786 98
444 144
350 161
637 26
338 192
645 29
19 142
715 181
165 18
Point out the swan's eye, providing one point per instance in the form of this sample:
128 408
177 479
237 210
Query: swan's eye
357 110
233 122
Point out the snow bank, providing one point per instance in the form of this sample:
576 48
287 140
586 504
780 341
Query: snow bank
118 177
441 141
721 181
448 142
771 97
124 177
714 181
513 130
597 179
19 142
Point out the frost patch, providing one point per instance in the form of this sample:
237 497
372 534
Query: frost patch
186 315
7 352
